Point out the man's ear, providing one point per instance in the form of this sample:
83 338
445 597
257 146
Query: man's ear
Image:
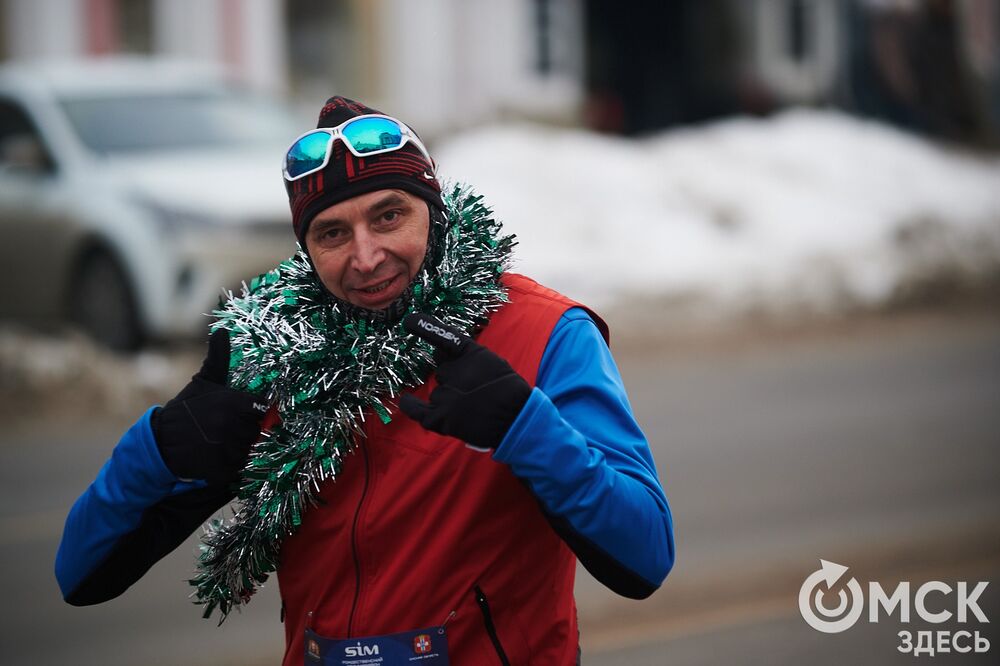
304 246
437 222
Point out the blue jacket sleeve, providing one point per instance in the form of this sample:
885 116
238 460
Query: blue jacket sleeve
577 446
119 501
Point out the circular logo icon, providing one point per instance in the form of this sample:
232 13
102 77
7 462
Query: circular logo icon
818 616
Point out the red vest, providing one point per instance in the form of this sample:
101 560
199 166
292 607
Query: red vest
416 522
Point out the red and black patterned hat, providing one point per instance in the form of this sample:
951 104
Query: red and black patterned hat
348 176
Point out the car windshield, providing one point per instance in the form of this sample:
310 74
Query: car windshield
168 121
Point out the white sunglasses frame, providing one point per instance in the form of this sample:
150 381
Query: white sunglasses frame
337 133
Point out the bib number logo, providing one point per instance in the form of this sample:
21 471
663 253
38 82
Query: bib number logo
360 650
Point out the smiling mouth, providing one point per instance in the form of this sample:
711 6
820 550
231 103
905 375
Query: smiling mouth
377 288
381 286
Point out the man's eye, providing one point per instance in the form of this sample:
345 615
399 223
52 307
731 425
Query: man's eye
390 216
331 234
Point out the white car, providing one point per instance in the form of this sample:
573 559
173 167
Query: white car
132 192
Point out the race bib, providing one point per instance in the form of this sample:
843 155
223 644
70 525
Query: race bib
421 646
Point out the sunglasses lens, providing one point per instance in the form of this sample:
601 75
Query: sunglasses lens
367 135
307 154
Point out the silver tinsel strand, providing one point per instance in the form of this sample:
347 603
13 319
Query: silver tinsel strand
327 370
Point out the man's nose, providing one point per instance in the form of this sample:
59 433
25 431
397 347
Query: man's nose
368 252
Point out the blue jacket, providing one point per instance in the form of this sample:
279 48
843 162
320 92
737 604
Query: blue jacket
575 444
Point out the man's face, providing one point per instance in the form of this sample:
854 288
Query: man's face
367 249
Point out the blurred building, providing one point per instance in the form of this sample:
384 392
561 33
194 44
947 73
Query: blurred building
929 65
625 67
244 35
440 63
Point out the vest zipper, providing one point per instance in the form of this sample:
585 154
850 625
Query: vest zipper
354 544
491 629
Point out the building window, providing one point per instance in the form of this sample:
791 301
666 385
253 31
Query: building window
325 50
135 18
543 37
797 30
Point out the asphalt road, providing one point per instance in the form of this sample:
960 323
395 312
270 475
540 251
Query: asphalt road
877 448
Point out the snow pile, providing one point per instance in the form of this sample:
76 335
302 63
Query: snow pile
806 210
71 374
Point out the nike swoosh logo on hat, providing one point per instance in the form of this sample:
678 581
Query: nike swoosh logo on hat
428 176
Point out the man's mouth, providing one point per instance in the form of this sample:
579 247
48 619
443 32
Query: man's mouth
378 287
375 295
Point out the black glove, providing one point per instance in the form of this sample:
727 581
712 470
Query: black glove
207 430
478 395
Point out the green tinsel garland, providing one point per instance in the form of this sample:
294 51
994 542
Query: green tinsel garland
326 369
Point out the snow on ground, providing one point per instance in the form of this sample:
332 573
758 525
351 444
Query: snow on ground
803 212
806 210
68 374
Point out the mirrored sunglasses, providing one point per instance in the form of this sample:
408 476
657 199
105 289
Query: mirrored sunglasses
364 136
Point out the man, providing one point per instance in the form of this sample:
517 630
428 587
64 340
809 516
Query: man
450 533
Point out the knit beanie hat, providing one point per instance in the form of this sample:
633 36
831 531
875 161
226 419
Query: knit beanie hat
347 176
